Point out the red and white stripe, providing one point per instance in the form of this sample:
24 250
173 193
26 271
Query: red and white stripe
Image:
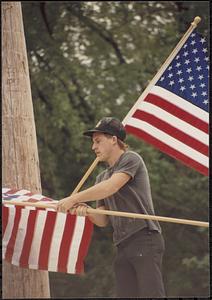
173 125
44 239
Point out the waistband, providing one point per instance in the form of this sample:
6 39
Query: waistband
143 231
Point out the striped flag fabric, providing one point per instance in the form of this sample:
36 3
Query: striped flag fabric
174 116
42 238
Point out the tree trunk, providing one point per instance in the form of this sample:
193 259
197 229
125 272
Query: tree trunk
20 155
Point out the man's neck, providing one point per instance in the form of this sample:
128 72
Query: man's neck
115 157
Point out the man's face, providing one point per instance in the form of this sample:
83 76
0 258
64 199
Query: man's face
102 146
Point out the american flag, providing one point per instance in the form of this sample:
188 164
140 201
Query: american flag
174 116
42 238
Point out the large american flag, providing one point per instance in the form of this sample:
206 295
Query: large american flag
174 116
39 238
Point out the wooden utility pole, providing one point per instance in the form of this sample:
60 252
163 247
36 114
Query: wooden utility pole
20 155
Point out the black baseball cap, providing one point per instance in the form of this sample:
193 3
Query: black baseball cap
110 126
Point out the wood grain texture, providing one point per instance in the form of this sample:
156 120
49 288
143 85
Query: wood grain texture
20 163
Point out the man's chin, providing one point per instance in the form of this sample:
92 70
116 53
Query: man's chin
100 158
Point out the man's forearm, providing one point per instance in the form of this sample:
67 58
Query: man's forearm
97 192
99 220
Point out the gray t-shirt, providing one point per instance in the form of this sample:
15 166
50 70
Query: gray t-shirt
134 196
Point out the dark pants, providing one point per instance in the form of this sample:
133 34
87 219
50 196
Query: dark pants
138 265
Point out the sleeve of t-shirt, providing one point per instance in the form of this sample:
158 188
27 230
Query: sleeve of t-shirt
129 164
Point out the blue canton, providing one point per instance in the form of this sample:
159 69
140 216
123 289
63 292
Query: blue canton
9 197
188 74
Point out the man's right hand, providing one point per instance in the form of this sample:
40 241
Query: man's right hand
80 209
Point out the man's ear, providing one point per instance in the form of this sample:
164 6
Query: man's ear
114 139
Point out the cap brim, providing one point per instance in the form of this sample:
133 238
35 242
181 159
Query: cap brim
91 132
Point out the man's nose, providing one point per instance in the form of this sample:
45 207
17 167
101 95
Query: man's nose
93 147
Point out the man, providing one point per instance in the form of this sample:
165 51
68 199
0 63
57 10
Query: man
124 186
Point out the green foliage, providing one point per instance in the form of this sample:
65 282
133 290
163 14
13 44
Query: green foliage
93 59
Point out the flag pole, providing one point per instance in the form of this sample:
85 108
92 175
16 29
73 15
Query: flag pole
115 213
164 66
147 217
86 175
145 92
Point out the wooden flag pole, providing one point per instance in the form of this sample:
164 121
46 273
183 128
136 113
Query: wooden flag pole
116 213
84 178
147 217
